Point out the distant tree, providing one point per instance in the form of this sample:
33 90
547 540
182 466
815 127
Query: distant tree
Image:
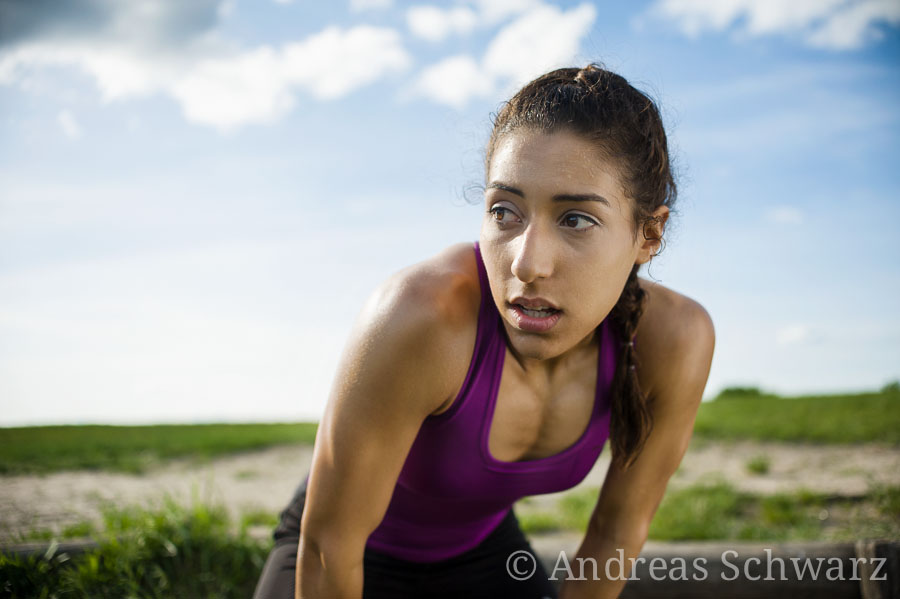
739 392
891 387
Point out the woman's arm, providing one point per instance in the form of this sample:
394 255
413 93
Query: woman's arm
676 355
400 365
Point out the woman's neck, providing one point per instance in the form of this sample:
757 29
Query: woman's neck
550 366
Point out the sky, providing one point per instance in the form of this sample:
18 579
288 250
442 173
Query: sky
196 198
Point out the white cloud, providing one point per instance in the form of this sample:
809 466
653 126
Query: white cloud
257 86
853 25
785 215
833 24
542 38
215 82
363 5
162 22
118 70
335 62
454 81
435 24
496 11
69 125
230 92
538 40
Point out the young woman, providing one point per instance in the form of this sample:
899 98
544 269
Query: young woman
498 369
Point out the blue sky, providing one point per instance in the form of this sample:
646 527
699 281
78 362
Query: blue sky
196 198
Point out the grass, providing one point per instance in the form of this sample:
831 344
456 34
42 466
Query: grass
258 517
167 551
135 448
246 519
737 413
758 464
78 530
718 511
173 551
538 522
749 414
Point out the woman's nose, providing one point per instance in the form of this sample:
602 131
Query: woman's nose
534 256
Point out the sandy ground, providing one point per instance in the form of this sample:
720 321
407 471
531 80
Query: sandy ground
265 480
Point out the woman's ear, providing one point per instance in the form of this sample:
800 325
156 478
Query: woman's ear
652 231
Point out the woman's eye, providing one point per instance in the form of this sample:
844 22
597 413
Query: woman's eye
578 221
502 215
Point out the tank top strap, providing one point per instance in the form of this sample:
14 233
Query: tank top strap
482 367
483 283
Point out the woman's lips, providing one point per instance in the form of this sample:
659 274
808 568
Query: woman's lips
533 303
534 321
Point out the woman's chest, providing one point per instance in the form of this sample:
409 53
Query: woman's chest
535 417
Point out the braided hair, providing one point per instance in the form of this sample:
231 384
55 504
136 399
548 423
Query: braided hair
625 126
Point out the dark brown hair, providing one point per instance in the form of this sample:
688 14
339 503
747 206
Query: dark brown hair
625 126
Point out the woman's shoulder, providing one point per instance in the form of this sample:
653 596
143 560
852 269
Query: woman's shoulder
446 285
664 304
433 305
675 337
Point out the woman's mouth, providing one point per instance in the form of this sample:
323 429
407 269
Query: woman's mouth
538 312
535 319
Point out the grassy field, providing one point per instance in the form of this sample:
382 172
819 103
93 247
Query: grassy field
202 551
43 449
749 414
720 512
735 414
173 551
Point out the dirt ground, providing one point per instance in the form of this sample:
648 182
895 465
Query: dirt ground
265 480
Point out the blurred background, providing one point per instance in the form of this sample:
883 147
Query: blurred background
196 198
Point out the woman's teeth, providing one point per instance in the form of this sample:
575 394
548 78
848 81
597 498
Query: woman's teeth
539 313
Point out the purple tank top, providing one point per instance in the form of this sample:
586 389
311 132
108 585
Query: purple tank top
451 492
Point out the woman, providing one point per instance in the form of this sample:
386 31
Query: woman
497 370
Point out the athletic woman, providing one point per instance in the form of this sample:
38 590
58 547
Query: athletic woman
498 369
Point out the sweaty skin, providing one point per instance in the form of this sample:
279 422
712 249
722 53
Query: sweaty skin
557 226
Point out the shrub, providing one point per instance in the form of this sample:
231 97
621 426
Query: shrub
742 392
147 554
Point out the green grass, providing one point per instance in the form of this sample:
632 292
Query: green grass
167 551
172 551
887 499
745 414
738 413
758 464
134 448
538 522
78 530
719 512
258 517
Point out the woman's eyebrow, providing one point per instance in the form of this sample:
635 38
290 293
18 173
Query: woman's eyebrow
505 187
561 197
581 197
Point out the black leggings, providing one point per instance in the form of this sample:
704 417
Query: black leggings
479 572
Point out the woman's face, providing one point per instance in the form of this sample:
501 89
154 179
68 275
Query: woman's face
557 234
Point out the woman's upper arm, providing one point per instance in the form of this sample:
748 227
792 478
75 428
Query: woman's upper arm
680 362
395 371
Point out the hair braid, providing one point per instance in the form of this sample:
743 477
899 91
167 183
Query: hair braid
630 409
